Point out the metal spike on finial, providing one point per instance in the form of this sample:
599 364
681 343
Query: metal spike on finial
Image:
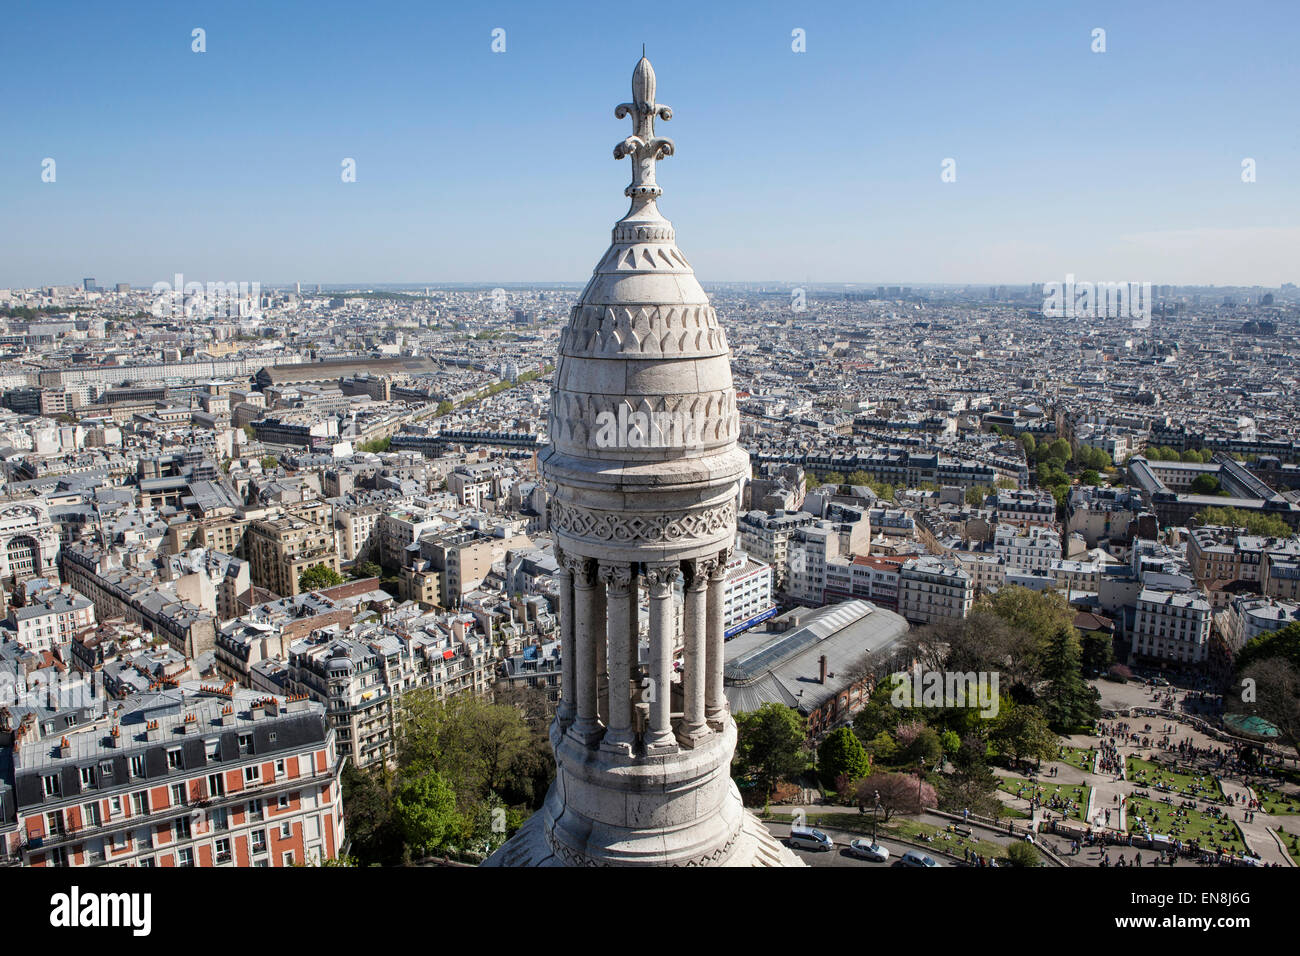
643 146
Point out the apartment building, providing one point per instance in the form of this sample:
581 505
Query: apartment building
931 590
870 577
1171 626
361 680
180 779
767 537
1023 507
813 545
1027 548
280 549
746 594
1246 618
988 572
52 618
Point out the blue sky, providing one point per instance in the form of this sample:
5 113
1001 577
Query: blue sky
821 166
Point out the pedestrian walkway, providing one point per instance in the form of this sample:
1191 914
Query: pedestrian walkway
1258 838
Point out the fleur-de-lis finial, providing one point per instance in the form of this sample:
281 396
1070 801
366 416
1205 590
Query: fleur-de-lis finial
643 146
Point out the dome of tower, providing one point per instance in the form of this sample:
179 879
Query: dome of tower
643 422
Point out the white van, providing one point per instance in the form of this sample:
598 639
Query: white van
806 838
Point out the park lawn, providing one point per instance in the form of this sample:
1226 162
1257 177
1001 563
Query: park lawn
1194 825
1149 776
1275 803
1081 757
1290 839
1019 787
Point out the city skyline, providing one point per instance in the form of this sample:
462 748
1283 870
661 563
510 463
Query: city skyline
1122 165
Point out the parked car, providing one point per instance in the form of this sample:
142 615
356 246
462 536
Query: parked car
869 851
917 858
806 838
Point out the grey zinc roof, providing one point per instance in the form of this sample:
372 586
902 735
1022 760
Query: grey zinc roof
784 668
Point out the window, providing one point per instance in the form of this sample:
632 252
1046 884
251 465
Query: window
87 776
259 841
279 768
185 857
216 785
137 765
286 831
212 748
182 829
288 858
90 815
140 802
221 851
105 768
52 787
54 823
147 861
283 802
174 758
245 743
254 810
253 774
272 736
114 806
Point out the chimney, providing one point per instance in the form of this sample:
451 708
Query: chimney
821 667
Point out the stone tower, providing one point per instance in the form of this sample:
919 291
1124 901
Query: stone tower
644 477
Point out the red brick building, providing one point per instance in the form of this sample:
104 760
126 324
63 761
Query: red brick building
178 779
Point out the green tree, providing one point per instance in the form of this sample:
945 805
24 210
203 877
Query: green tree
1020 732
445 407
376 446
1283 644
318 576
878 714
1041 613
1068 702
833 478
1269 526
884 748
1059 450
771 744
1023 854
425 810
478 747
917 744
1029 442
1097 649
976 494
376 838
270 463
841 754
365 569
1204 485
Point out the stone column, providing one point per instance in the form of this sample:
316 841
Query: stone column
715 698
568 689
599 610
659 579
588 628
619 732
694 727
